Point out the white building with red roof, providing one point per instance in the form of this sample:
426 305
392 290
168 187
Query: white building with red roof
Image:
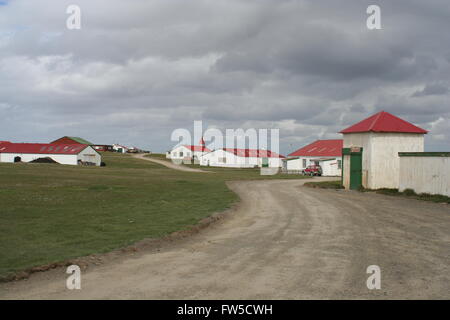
371 150
120 148
242 158
188 153
72 154
326 153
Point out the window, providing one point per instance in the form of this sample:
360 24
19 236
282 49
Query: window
339 162
223 160
181 154
304 163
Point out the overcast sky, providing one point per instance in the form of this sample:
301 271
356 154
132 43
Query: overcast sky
138 69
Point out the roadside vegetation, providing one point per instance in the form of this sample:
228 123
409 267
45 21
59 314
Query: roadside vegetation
325 184
411 194
51 212
390 192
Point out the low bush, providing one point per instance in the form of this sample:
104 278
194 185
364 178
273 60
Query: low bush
411 193
325 184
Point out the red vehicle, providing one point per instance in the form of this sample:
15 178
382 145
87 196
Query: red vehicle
312 170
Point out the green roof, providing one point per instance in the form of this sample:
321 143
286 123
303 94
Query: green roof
74 139
80 140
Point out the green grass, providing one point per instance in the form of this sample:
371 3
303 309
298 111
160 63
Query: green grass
51 213
325 184
229 174
160 156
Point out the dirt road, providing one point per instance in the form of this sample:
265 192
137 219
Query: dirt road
169 164
284 241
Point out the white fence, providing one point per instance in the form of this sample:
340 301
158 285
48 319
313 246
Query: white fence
425 172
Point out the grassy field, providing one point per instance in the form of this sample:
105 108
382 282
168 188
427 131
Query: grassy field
50 213
159 156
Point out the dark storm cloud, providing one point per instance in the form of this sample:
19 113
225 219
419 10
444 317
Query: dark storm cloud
432 89
139 69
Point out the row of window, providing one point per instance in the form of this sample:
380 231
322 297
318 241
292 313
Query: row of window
57 148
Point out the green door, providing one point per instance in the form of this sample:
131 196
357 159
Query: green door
265 162
355 170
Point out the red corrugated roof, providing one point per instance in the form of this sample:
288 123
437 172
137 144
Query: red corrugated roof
197 148
42 148
384 122
253 153
320 148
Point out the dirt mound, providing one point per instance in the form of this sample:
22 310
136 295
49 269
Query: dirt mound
44 160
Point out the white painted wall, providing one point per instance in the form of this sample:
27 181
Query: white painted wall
88 154
346 175
183 153
385 162
298 164
275 162
116 147
330 168
27 157
380 161
222 158
179 152
425 174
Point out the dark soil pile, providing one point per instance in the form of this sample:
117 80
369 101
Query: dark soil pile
43 160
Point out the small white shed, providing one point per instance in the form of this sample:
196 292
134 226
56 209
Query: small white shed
120 148
187 153
371 148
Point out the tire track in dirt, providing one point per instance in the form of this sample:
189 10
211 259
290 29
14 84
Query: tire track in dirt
283 241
